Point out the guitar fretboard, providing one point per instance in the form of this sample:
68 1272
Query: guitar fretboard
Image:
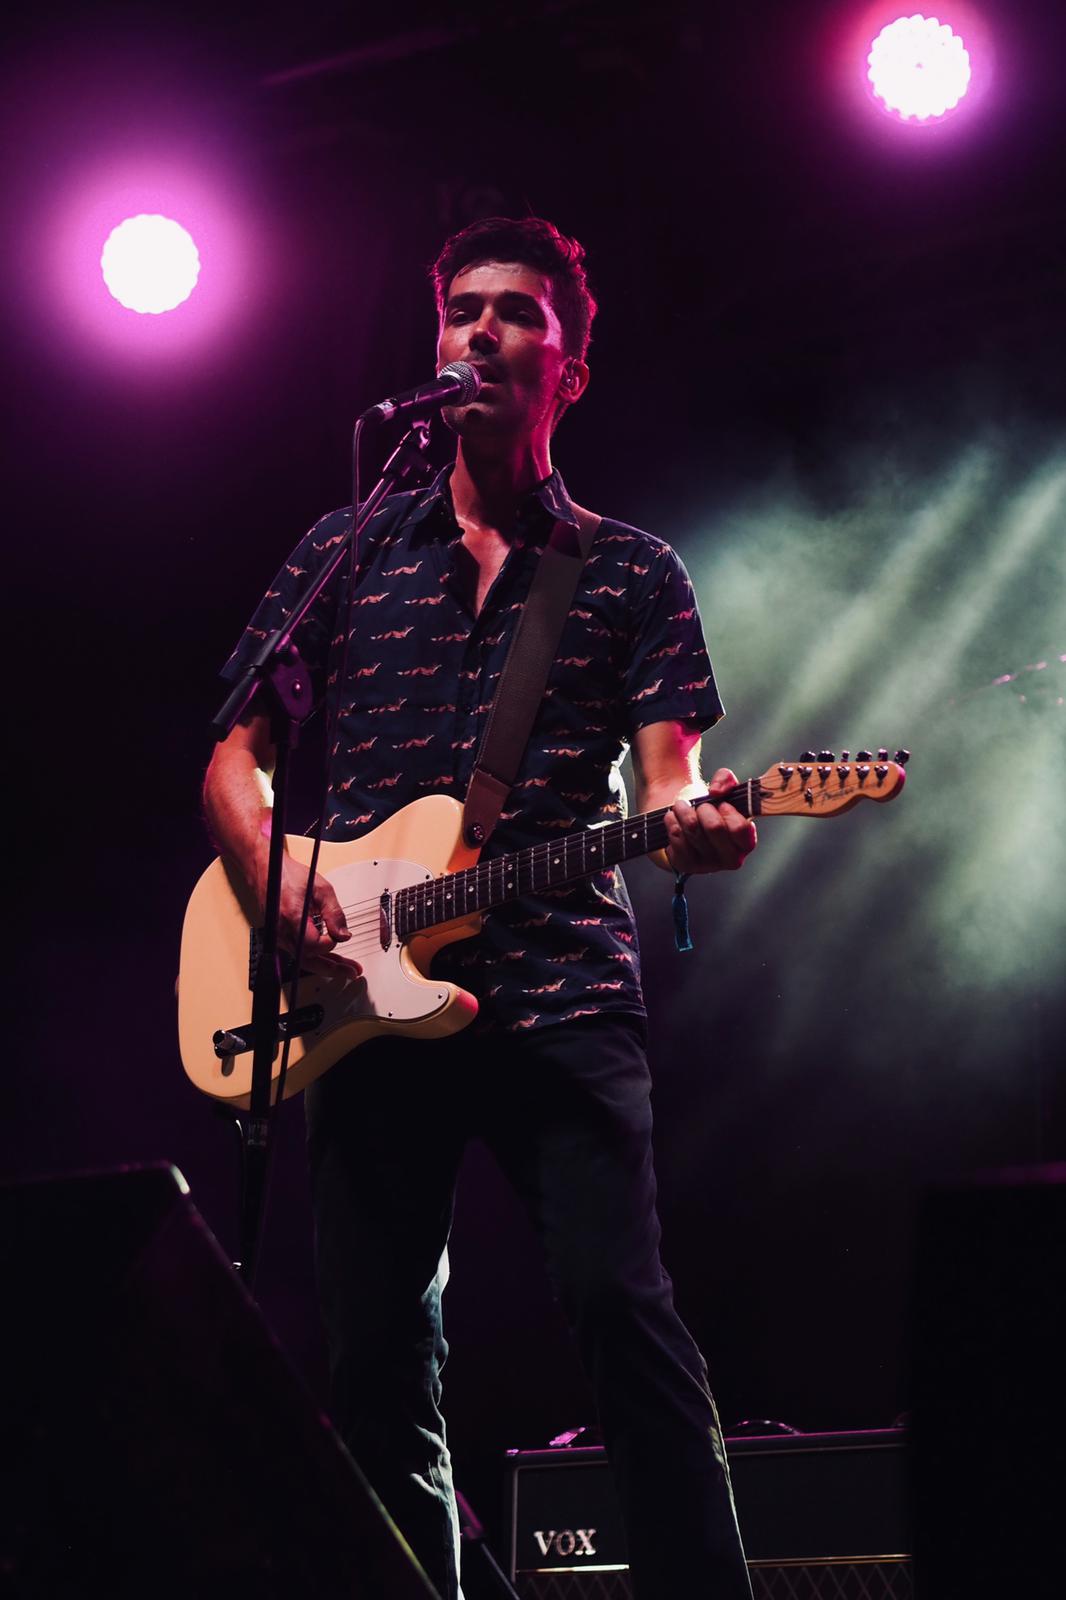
543 866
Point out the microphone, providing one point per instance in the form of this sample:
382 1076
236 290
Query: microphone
455 384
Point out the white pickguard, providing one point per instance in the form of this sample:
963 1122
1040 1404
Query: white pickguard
388 988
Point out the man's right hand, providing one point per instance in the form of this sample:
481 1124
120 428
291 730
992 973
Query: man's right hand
325 928
237 803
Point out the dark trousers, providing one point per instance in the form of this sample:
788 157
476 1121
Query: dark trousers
566 1111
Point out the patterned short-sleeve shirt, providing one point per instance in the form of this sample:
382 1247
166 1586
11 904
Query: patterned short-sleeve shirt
421 673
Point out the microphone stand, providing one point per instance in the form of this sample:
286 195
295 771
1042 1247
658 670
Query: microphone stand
278 671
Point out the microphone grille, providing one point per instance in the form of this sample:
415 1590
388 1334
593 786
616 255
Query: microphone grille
467 375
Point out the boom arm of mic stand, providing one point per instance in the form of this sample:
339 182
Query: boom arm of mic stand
277 668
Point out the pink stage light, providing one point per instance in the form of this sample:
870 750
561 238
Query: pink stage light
150 264
919 68
158 237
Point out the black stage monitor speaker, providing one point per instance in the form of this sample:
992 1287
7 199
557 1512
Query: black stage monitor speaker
157 1442
823 1518
988 1389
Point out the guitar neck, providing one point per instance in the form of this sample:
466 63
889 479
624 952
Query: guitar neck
575 855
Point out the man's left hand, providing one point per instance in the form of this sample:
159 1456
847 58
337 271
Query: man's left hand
709 838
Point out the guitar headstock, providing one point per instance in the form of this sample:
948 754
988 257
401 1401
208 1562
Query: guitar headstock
824 785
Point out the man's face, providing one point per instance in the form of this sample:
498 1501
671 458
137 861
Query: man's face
499 317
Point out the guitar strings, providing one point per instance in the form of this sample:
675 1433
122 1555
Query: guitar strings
420 895
532 856
477 877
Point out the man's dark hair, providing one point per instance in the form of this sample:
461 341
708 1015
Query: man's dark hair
538 244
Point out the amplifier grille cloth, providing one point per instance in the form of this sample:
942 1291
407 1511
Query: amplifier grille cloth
845 1580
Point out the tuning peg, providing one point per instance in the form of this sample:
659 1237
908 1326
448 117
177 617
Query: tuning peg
863 755
882 755
845 755
826 755
806 755
902 756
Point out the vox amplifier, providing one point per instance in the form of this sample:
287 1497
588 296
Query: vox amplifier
823 1517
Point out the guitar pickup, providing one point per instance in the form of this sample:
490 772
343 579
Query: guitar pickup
238 1041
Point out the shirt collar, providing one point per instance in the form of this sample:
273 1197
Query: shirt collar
549 497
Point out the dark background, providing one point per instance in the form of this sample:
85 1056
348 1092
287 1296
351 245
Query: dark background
828 366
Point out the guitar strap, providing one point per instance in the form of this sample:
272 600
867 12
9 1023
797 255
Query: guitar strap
525 673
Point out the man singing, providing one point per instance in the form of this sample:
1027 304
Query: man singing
553 1074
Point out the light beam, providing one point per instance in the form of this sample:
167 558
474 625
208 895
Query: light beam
872 622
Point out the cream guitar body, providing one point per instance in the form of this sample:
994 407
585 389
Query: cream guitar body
409 888
394 995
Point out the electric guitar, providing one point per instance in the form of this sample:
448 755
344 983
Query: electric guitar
410 887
